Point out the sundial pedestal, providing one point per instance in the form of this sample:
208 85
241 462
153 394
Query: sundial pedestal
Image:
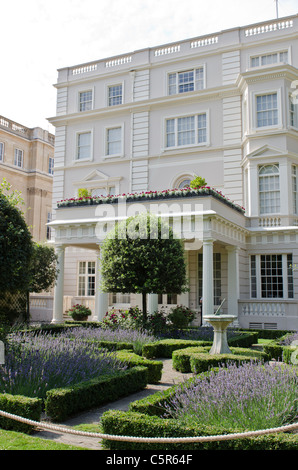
220 324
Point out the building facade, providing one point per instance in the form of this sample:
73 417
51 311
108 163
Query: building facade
223 107
27 164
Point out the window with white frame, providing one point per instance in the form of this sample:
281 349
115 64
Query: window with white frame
51 166
18 158
86 278
104 191
167 299
115 95
86 100
119 298
294 189
83 146
293 110
216 277
268 59
1 151
188 80
114 141
271 276
269 189
267 110
185 131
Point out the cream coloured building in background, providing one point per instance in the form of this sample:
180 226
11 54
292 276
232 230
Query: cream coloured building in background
27 164
223 107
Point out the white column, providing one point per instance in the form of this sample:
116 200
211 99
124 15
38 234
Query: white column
152 303
208 289
59 287
233 280
184 297
101 298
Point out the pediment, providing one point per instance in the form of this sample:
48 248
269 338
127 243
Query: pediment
95 175
266 151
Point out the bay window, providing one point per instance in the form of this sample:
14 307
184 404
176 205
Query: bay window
271 276
267 110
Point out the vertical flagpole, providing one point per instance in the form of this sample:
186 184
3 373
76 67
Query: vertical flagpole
276 4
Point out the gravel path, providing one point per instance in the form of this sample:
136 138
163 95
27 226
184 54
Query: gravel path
168 379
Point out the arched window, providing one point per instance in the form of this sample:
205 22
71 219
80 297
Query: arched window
183 182
269 190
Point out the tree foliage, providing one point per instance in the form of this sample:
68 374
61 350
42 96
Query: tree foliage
43 268
141 255
15 247
197 182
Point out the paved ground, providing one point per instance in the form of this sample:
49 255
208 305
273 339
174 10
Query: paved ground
169 378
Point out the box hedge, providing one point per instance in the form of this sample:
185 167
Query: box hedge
128 423
165 347
64 402
198 358
132 360
29 408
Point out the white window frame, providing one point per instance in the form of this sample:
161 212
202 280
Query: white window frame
106 133
18 157
86 275
195 81
294 174
90 157
176 132
1 151
90 102
271 191
259 58
114 85
293 112
286 276
254 97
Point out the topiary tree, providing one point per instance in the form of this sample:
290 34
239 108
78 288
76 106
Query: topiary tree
142 256
197 182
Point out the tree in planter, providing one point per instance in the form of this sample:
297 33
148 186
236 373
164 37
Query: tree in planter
142 256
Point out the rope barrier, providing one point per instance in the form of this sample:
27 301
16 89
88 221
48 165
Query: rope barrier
223 437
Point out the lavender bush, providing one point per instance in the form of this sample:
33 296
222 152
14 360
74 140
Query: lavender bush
136 337
250 397
37 363
289 339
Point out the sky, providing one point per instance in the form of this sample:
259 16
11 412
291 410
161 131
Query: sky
40 36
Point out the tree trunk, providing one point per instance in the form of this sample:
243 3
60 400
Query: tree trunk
144 301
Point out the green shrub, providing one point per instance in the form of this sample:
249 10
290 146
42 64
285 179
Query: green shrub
274 351
140 425
29 408
200 362
181 316
244 340
165 347
181 357
132 360
63 402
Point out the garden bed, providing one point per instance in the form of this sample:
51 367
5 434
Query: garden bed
151 417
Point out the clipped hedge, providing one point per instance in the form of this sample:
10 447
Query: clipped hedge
127 423
64 402
244 340
165 347
132 360
182 359
29 408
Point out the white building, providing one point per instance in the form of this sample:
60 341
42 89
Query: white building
223 107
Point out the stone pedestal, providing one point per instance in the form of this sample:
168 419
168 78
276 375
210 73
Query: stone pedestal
220 324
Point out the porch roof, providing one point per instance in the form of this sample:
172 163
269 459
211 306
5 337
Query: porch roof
197 214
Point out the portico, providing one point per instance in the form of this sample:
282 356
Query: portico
205 221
